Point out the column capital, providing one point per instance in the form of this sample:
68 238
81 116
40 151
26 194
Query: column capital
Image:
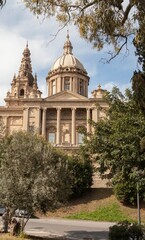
73 108
44 109
26 108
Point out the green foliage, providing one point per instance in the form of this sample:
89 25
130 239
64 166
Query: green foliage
125 231
81 175
117 145
30 173
110 212
138 86
99 22
138 79
125 192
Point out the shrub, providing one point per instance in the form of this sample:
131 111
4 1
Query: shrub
125 193
81 173
126 231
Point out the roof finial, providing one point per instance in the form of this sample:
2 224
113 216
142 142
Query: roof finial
67 34
27 44
99 87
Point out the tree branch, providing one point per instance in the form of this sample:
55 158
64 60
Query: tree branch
2 3
118 51
126 13
88 5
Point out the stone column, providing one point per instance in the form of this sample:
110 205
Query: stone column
73 131
71 84
62 84
88 118
25 119
44 122
74 84
38 120
49 89
58 126
5 122
86 88
95 115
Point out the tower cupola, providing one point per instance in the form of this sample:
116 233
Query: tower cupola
67 46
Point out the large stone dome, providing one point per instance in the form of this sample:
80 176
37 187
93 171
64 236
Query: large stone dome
67 59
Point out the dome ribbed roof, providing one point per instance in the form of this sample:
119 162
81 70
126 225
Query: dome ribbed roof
67 59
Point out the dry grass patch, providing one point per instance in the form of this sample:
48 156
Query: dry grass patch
96 198
7 236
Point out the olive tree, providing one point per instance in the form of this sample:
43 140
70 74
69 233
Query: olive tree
33 175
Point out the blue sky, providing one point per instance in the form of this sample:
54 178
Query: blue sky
18 25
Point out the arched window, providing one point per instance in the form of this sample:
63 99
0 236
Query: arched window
21 92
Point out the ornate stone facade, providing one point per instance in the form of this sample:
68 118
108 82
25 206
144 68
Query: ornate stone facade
67 108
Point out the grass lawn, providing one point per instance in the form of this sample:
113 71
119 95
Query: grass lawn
99 205
111 213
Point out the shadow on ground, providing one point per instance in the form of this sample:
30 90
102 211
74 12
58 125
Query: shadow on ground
85 235
92 194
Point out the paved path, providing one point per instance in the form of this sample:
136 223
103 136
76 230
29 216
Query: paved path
71 229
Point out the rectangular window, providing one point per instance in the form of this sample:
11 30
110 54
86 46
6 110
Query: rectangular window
81 89
67 84
51 137
80 138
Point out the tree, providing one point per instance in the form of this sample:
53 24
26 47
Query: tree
2 3
117 145
81 170
138 79
99 22
30 173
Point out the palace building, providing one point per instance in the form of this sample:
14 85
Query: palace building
65 110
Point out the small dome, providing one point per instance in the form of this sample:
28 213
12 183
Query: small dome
67 59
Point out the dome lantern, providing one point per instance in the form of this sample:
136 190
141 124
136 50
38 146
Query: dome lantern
68 46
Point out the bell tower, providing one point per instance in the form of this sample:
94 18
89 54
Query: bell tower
24 85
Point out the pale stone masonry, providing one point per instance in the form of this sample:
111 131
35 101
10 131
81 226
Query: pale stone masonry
67 107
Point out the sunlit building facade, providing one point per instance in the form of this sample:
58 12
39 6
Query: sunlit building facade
66 109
